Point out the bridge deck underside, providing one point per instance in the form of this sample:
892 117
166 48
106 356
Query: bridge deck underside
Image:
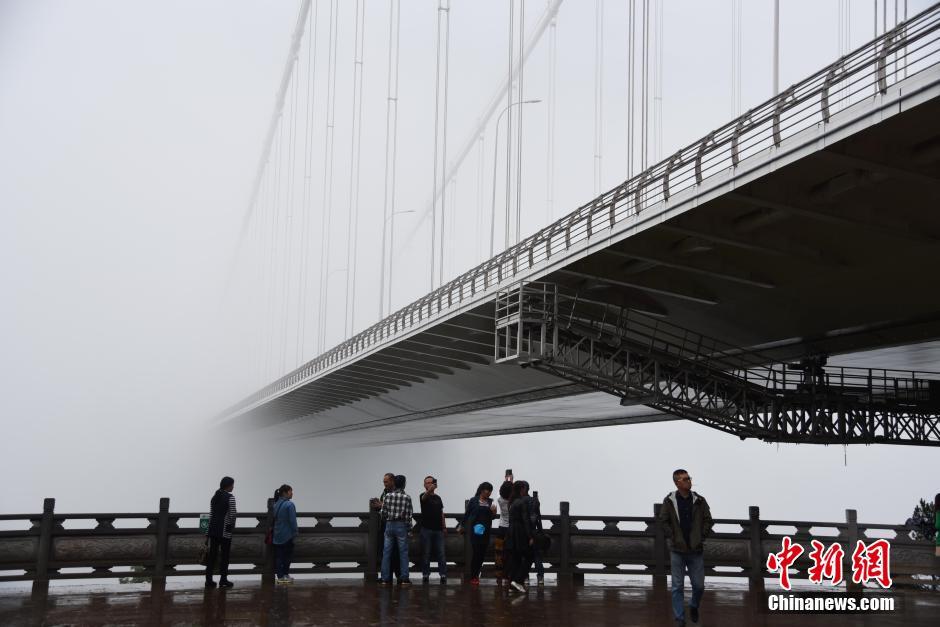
833 252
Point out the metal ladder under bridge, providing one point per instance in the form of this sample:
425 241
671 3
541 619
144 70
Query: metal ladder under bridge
646 360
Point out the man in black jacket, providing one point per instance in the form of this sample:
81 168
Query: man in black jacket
221 522
688 520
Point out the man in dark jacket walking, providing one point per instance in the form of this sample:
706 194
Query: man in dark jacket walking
221 522
688 520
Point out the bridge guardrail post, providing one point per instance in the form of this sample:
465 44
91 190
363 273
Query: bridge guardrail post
44 551
564 543
372 545
756 578
158 580
267 569
851 533
659 549
467 549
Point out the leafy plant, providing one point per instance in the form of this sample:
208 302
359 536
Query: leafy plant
921 523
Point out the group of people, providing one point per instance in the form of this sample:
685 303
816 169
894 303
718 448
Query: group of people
281 535
518 539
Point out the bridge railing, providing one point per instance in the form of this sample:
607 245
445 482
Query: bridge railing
865 74
163 544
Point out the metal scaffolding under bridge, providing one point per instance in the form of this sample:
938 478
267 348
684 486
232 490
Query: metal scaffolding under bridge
799 230
646 360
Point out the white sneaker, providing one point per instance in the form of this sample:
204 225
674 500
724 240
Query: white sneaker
518 586
288 579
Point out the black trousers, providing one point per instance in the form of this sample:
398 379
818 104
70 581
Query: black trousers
479 545
520 560
225 544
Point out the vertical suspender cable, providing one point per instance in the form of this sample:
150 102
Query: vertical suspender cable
440 179
658 87
307 193
598 89
550 153
391 135
445 10
631 28
736 58
480 215
272 285
326 222
289 218
512 14
776 61
352 226
520 97
645 105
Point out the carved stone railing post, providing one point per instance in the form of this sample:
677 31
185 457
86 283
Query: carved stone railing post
44 551
564 542
267 573
851 539
372 545
659 548
467 548
756 574
158 580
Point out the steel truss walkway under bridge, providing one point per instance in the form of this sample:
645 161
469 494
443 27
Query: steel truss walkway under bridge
809 226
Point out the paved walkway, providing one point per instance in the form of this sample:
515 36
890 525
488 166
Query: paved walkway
352 602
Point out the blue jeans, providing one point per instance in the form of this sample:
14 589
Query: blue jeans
396 531
432 543
695 564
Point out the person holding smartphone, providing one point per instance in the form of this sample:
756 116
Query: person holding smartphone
499 534
481 510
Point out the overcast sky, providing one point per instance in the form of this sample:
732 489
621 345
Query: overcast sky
129 136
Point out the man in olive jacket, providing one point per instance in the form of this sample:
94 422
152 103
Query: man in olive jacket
688 521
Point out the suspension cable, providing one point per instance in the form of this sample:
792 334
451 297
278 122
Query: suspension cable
352 226
327 218
598 90
550 153
391 136
308 182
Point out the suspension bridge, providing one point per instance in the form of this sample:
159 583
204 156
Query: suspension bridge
714 284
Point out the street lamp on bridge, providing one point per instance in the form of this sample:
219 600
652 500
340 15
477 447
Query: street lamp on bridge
495 158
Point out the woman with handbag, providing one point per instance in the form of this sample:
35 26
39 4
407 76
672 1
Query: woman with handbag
481 510
283 534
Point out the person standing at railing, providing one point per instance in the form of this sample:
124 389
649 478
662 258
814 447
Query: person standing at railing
221 523
397 510
433 530
535 518
521 536
499 534
688 521
477 521
388 486
285 530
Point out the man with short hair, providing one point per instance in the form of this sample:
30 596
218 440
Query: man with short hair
688 521
388 485
433 530
221 522
397 510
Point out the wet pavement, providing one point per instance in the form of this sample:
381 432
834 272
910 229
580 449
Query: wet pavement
352 602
